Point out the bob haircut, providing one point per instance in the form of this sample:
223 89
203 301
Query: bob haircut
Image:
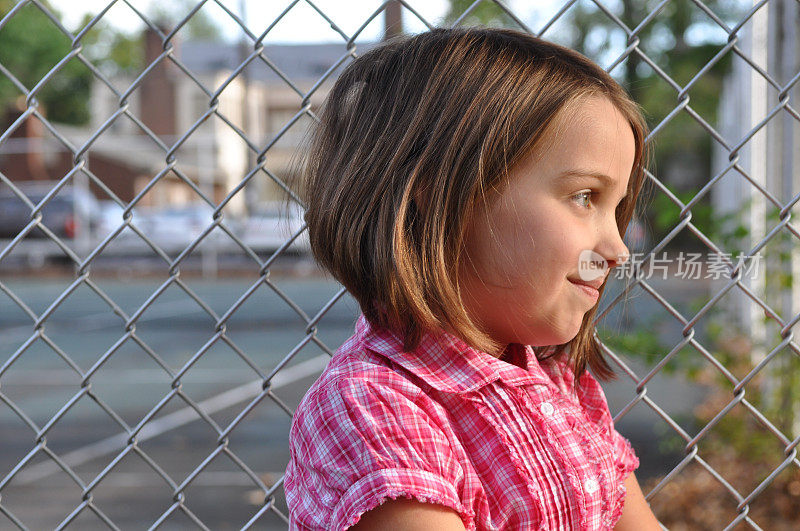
411 136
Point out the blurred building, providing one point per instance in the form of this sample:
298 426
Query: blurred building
171 100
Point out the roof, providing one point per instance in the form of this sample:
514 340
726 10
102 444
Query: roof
296 61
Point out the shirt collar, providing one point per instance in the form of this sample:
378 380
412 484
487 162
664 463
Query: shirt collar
447 363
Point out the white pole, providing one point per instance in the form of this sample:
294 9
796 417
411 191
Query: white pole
758 172
788 64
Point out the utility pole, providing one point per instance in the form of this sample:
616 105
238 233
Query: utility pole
392 20
252 192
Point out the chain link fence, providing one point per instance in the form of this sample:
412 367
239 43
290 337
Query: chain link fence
208 428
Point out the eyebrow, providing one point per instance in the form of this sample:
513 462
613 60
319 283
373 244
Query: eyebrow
581 173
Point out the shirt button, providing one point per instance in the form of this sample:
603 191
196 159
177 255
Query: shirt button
591 485
547 409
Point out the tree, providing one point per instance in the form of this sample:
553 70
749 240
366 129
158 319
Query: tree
199 27
30 46
485 13
667 42
115 52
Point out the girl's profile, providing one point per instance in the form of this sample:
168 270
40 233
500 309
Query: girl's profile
453 185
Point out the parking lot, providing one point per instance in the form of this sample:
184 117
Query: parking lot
84 224
38 379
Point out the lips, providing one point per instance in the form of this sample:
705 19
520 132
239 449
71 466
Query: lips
596 283
591 292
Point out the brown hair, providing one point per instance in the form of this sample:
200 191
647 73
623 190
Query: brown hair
411 136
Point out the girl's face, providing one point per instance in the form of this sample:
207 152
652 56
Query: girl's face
522 251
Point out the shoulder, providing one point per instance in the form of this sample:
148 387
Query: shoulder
357 379
360 400
363 433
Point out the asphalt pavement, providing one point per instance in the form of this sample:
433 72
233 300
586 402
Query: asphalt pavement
174 359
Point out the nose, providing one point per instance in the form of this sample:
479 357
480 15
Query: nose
612 247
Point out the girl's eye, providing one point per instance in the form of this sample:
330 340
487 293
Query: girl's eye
587 194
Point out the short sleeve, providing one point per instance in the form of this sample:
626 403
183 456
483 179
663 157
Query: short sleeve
355 443
595 406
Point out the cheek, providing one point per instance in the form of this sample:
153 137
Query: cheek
540 262
530 248
518 249
557 258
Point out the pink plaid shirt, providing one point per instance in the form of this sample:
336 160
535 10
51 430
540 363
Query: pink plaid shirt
505 447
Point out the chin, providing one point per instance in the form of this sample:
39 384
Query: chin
568 335
565 339
542 335
554 338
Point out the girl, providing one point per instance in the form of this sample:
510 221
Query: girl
454 184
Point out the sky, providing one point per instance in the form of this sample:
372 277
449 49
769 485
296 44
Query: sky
302 24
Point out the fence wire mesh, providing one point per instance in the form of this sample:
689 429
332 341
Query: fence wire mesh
192 395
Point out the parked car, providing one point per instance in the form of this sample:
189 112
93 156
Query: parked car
110 218
271 225
175 227
69 212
